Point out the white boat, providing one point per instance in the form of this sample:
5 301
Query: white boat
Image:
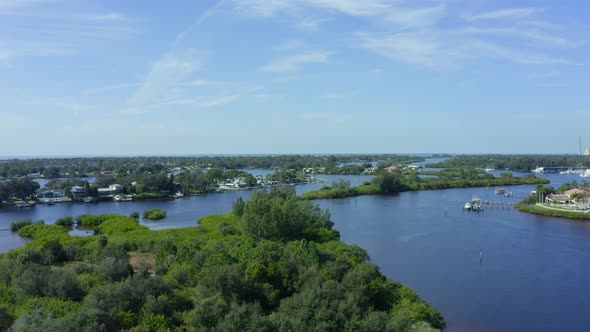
467 206
586 174
500 190
538 170
178 195
489 169
117 198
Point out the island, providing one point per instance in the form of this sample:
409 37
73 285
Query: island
274 263
387 181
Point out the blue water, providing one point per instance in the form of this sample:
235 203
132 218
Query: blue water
532 275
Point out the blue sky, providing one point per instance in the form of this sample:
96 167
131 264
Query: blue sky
293 76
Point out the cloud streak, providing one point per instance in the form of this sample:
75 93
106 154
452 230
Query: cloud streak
293 63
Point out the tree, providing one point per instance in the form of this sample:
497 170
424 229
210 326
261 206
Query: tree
238 207
102 240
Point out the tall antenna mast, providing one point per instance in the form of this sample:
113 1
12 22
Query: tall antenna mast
580 145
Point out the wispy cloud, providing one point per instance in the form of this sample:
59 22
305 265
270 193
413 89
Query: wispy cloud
529 35
293 63
420 33
510 13
33 29
108 17
310 24
419 48
161 82
517 56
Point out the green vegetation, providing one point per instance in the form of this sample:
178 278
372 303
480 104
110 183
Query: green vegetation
15 226
79 167
278 267
531 203
551 212
94 220
397 181
154 214
17 189
65 221
523 163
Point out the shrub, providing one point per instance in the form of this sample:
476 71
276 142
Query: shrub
65 221
154 214
15 226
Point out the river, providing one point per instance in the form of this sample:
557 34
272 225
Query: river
498 270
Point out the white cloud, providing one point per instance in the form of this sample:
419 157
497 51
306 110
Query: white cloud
108 17
161 83
310 24
295 62
420 48
511 13
532 36
516 56
419 33
262 8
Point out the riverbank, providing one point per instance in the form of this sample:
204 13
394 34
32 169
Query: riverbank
422 184
541 209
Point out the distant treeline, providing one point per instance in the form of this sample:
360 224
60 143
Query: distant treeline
397 181
514 162
64 167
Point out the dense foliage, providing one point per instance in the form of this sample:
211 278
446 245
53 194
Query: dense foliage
154 214
523 163
17 188
398 181
227 274
76 167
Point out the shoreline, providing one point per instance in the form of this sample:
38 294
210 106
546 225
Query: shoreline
539 209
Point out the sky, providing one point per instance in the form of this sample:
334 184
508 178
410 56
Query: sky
293 76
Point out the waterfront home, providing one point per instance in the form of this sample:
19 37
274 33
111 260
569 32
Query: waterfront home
369 170
392 168
113 189
50 193
576 191
78 193
557 199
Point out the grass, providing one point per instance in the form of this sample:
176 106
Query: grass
535 209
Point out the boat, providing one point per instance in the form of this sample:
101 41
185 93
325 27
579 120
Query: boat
117 198
22 204
538 170
177 195
467 206
489 169
586 174
89 199
508 194
500 191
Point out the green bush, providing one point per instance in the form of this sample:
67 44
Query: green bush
154 214
15 226
65 221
